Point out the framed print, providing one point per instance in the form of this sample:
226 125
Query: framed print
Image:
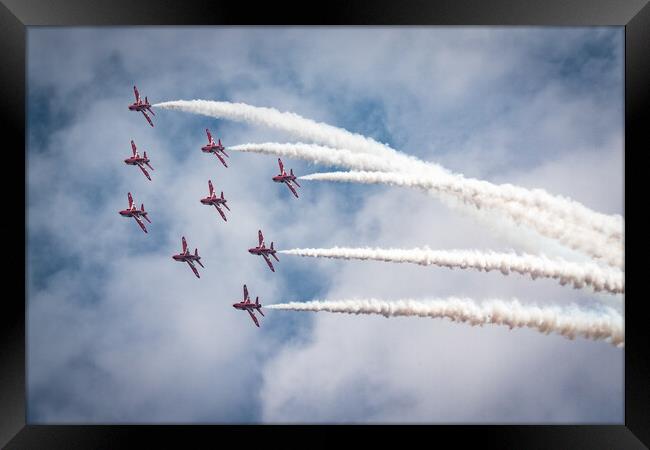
410 216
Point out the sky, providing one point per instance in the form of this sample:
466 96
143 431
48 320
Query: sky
118 332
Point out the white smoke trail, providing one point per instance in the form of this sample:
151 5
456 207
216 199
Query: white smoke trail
588 241
340 138
319 154
578 274
559 208
571 321
437 186
298 126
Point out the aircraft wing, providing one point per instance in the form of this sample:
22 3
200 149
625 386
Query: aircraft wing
137 219
146 174
295 182
133 147
291 188
210 187
223 161
253 317
223 150
268 261
147 117
184 244
209 136
130 201
137 94
221 212
281 166
245 293
260 237
196 272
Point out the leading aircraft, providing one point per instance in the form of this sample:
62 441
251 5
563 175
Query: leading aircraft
262 250
186 256
212 199
142 106
215 148
136 213
285 178
137 160
246 305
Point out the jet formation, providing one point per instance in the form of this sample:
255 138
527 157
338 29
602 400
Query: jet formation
216 148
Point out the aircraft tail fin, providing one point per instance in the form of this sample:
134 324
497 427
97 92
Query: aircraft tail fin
198 258
146 102
144 213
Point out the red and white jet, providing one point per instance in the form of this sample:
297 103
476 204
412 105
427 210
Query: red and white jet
212 199
246 305
262 250
142 106
286 179
136 213
186 256
137 160
215 148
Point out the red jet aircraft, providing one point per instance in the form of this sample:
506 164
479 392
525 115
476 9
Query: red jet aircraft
137 160
215 148
212 199
136 213
262 250
246 305
286 179
141 106
189 258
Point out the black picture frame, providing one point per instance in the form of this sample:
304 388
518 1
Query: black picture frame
16 15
